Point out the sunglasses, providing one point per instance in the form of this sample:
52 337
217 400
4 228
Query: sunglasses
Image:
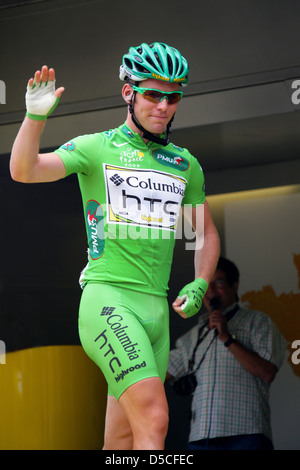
156 96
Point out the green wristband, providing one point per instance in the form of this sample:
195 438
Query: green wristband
36 117
193 294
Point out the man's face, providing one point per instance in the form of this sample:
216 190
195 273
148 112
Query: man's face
220 289
154 117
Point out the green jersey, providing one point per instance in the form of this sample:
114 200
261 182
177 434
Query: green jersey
132 193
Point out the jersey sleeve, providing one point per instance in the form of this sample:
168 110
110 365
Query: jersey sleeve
195 189
81 154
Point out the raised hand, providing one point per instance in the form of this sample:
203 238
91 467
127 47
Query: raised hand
41 96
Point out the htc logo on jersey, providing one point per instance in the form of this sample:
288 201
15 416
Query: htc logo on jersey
150 201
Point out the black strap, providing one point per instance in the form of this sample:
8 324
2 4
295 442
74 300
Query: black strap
232 312
201 337
146 134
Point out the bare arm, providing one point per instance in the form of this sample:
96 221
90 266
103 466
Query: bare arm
207 248
206 257
27 165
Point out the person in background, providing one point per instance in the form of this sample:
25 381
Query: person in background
228 362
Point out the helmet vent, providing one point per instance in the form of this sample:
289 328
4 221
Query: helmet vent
150 61
170 65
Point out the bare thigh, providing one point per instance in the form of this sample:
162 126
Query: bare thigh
140 419
118 434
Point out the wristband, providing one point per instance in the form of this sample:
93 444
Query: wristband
231 339
192 295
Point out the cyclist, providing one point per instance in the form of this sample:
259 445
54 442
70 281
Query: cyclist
133 182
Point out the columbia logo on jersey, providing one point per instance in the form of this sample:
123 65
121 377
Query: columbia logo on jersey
116 179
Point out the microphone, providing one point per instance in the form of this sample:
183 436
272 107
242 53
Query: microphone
214 303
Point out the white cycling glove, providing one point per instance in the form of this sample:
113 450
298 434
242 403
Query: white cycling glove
192 295
40 100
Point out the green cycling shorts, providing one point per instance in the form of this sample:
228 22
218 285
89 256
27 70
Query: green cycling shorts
126 333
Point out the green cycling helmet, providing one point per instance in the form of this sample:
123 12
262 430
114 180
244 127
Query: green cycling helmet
157 60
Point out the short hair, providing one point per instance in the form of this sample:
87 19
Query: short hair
230 269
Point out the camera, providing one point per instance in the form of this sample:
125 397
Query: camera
185 385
